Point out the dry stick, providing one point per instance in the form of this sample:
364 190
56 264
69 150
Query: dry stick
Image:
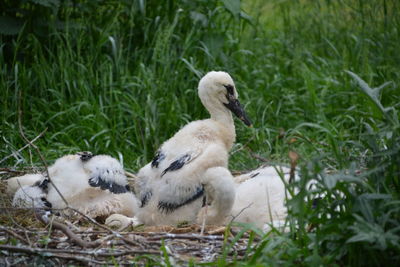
16 208
89 253
63 228
25 146
116 234
219 230
8 170
39 251
240 212
37 150
35 231
244 145
186 236
256 156
17 236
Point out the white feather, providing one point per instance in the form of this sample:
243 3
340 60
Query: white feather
13 184
71 175
261 199
29 196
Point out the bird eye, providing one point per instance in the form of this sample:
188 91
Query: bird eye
230 89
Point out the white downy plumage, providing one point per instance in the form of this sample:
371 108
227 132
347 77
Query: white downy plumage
260 197
13 184
190 169
94 185
30 197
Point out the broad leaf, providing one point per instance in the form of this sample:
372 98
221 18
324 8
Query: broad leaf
233 6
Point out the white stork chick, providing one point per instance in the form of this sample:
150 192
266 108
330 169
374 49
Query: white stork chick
94 185
190 168
260 197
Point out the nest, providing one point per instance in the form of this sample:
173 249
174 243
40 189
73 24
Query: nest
33 237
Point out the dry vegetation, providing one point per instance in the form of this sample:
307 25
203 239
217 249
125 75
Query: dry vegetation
29 236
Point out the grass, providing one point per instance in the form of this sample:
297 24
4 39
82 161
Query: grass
124 80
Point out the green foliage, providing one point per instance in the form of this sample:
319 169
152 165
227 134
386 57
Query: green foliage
22 16
120 77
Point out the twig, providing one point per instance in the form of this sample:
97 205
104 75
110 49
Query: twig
244 145
25 146
17 236
8 170
240 212
93 221
85 252
256 156
63 228
219 230
40 252
116 234
28 209
186 236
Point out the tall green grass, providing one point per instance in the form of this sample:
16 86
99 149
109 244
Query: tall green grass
123 79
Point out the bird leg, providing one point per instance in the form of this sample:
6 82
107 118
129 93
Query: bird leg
203 224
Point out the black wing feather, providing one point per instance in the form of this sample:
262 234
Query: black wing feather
46 203
44 184
157 159
145 198
104 185
168 207
177 164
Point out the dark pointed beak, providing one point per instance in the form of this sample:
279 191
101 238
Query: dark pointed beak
237 109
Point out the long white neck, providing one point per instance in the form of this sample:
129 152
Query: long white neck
222 115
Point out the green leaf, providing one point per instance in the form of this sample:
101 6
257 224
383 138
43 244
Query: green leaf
331 179
214 43
365 208
377 196
246 17
192 68
233 6
361 237
315 126
198 17
372 93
